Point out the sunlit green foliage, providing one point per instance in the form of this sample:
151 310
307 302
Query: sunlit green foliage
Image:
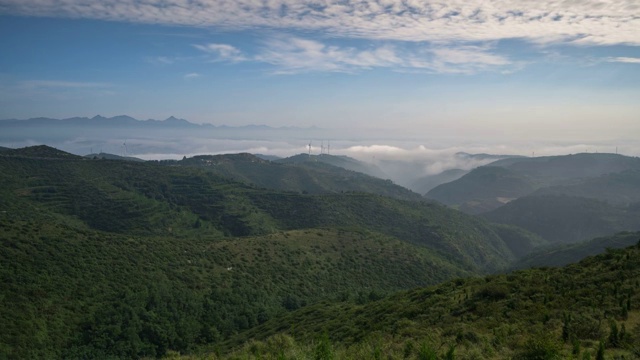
547 313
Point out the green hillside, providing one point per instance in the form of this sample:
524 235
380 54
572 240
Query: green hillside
424 184
298 174
562 219
483 189
79 293
621 188
108 156
555 169
41 151
567 254
607 177
342 161
103 258
520 241
588 310
148 199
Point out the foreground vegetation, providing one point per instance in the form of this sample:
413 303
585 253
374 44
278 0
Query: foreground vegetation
110 259
588 310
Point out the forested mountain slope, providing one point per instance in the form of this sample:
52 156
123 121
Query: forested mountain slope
306 174
336 160
585 310
106 258
567 254
483 189
607 177
562 219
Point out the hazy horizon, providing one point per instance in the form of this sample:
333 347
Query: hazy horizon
512 74
403 159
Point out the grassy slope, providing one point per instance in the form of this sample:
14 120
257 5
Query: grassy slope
543 313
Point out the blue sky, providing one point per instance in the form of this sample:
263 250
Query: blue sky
564 71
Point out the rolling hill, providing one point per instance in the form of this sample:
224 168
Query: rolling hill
562 219
621 189
585 310
424 184
108 156
607 177
342 161
298 174
554 169
567 254
483 189
105 258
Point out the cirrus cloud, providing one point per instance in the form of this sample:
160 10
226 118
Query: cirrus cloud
585 22
292 55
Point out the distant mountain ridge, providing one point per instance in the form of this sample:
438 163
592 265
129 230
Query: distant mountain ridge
608 177
125 120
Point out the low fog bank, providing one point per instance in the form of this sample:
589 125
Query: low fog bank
404 162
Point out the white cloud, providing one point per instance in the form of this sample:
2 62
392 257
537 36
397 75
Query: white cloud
290 55
192 76
628 60
222 52
584 22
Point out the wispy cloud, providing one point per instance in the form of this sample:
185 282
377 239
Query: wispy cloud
292 55
584 22
222 52
192 76
628 60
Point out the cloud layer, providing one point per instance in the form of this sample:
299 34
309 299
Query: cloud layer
290 55
584 22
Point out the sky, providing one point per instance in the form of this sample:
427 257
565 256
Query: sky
498 73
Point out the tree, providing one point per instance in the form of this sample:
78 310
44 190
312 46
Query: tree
600 353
